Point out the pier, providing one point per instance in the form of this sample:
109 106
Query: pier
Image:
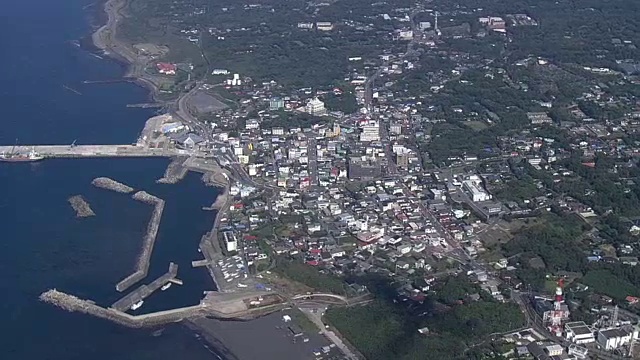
93 151
146 105
142 265
176 281
201 263
145 291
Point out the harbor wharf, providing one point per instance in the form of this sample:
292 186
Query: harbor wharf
93 151
144 291
142 265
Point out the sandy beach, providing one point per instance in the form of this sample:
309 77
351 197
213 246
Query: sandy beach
267 338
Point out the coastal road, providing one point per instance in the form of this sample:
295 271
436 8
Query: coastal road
183 113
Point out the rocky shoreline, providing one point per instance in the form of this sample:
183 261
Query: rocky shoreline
105 39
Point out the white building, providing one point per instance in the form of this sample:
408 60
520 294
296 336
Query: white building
578 332
405 34
230 241
578 351
553 350
235 81
424 25
614 338
404 249
252 124
370 131
315 107
220 72
303 25
476 191
324 26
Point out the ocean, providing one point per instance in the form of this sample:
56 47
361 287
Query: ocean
42 244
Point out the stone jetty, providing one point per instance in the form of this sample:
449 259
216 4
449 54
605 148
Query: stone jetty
142 265
175 172
110 184
81 206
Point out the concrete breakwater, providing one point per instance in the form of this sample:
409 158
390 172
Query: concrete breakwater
81 206
210 256
145 291
216 309
142 265
175 172
110 184
74 304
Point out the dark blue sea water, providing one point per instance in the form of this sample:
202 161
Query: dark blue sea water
42 244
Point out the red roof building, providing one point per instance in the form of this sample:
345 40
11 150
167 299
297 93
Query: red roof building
167 68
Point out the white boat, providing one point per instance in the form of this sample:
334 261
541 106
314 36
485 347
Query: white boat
137 305
165 286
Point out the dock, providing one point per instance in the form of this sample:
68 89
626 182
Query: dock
144 291
201 263
93 151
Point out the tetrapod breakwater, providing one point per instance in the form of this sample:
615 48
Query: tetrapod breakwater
110 184
142 264
81 206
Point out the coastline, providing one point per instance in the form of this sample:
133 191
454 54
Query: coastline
105 39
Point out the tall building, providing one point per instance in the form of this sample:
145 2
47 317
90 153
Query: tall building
315 107
230 241
370 131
